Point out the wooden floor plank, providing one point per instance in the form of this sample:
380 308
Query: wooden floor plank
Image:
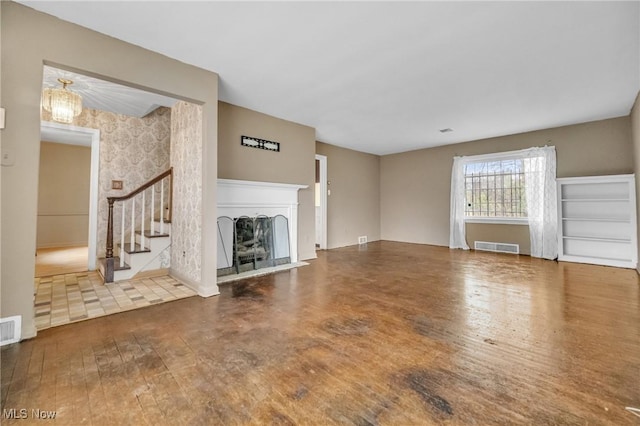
387 333
61 260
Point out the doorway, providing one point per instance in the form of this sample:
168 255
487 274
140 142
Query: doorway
67 199
321 201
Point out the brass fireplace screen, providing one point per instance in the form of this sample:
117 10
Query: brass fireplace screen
247 243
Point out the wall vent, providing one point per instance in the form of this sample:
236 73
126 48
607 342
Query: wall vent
497 247
362 240
10 330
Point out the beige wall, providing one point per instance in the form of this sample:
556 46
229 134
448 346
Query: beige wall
635 136
295 163
26 45
1 146
353 208
63 195
415 186
512 234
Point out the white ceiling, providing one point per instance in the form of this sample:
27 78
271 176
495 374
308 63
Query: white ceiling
384 77
107 96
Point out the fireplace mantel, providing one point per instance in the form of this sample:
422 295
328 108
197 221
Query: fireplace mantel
249 198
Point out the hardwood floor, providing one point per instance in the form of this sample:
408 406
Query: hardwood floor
61 260
388 333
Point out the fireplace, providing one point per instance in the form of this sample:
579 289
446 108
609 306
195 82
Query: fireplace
257 225
248 243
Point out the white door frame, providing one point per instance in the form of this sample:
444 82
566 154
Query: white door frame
84 136
323 200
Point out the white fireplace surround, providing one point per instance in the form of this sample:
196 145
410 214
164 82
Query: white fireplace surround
248 198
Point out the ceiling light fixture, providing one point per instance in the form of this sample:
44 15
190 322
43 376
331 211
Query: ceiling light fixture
63 104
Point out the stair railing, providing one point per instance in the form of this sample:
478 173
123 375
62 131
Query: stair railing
158 180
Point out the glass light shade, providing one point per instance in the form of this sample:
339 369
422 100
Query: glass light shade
63 104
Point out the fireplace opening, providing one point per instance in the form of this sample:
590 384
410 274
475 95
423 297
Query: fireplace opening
249 243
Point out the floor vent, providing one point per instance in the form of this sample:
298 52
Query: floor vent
362 240
10 330
497 247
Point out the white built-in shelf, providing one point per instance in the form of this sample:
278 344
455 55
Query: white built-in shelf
597 220
594 199
612 240
596 260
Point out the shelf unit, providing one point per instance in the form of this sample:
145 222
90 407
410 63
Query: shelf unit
597 220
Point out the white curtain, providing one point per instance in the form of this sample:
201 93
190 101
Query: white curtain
541 191
457 237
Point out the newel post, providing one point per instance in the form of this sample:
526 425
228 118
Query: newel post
110 229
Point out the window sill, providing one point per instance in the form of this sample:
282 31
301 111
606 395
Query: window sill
498 220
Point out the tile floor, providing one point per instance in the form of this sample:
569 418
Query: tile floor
63 299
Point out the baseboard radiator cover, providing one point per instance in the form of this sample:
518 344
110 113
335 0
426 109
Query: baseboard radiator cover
497 247
10 330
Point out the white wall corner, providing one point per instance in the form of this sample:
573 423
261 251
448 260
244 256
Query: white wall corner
29 330
202 290
208 290
308 256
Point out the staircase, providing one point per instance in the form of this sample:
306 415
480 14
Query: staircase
145 242
148 257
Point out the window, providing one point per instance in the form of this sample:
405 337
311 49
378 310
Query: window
495 189
517 187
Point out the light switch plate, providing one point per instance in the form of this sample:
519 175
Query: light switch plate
1 118
8 158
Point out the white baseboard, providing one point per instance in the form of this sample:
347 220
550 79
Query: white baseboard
152 273
209 291
193 285
63 245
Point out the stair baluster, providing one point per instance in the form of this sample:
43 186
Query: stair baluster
132 239
152 217
142 223
162 206
122 235
109 266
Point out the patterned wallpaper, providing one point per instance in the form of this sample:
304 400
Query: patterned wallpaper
133 150
186 159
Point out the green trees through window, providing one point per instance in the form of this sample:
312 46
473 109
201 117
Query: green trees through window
495 189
